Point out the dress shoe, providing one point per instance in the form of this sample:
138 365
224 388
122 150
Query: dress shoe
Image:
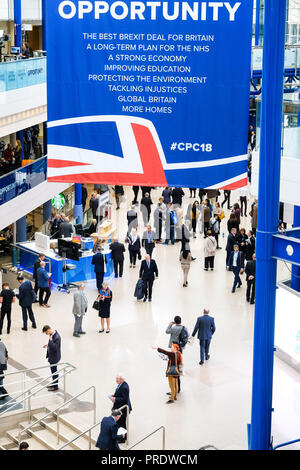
248 300
52 389
82 332
233 291
76 335
201 363
193 259
145 298
34 325
252 302
207 357
169 401
239 285
150 300
24 329
100 331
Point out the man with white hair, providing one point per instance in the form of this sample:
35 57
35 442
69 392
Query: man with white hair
205 326
65 229
121 398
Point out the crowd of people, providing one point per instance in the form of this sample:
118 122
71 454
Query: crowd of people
169 222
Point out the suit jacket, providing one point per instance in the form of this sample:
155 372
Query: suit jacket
239 262
26 294
42 277
80 304
177 195
36 266
117 251
145 238
205 326
148 273
250 269
108 437
98 261
122 398
65 229
53 350
231 240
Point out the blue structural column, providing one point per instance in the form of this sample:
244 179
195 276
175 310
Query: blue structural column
269 183
47 208
257 22
78 214
21 230
18 23
44 37
295 280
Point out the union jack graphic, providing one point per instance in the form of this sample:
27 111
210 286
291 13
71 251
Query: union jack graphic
127 150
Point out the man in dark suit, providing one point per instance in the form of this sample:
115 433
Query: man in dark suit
236 265
146 204
36 266
108 437
132 219
148 240
84 195
177 195
148 271
117 254
65 229
121 398
205 326
135 192
26 298
250 278
98 261
231 240
53 354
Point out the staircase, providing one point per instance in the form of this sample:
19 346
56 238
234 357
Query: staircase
44 435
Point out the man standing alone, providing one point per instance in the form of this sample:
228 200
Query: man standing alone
148 271
53 354
80 306
205 326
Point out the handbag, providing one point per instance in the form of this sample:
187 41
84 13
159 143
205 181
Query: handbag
96 305
173 370
222 215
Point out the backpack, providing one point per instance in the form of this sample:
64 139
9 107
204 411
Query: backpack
174 218
183 337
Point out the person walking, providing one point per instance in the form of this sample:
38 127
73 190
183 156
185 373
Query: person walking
26 298
173 369
166 194
185 259
148 241
146 204
148 273
250 278
80 305
177 195
53 354
99 262
117 254
243 193
227 193
205 326
192 192
36 266
7 298
158 220
171 222
194 216
134 247
43 284
135 192
132 219
231 240
215 228
105 298
121 398
108 438
236 265
3 367
210 246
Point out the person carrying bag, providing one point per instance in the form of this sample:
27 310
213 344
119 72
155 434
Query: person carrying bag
174 369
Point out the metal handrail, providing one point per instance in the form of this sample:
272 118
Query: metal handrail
95 425
21 431
30 395
146 437
286 444
23 371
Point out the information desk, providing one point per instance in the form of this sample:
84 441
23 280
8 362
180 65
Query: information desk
84 269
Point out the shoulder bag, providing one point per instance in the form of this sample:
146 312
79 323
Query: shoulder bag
173 370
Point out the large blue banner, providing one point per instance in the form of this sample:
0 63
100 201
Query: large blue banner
149 93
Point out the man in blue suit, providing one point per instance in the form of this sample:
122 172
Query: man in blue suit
121 398
98 261
236 265
205 326
108 437
26 298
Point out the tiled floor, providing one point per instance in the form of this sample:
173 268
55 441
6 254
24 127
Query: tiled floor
215 403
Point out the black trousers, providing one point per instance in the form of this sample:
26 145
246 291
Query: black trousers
226 198
99 280
148 283
44 290
250 294
54 376
194 225
132 257
209 262
149 247
5 313
36 287
118 268
27 312
243 200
